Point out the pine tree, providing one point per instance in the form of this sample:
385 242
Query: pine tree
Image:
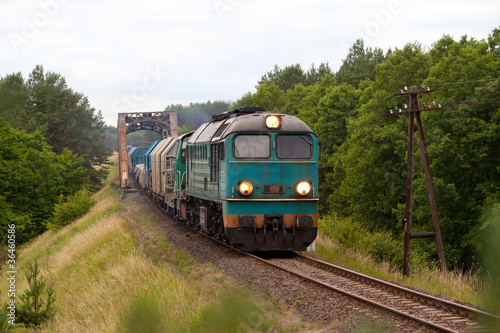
35 308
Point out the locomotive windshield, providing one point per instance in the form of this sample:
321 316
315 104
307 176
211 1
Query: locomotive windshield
252 146
294 146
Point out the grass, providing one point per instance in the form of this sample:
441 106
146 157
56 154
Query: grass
465 287
108 279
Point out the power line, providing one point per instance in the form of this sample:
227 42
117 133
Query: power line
461 82
468 102
472 102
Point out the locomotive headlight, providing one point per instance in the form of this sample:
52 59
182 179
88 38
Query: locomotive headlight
273 122
245 188
303 188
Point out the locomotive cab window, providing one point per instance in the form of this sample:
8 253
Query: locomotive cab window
294 146
252 146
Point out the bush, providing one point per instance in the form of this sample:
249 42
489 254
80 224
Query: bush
353 235
74 207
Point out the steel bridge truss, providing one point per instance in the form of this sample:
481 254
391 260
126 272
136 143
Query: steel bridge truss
163 122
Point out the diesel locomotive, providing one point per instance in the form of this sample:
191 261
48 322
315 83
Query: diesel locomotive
249 177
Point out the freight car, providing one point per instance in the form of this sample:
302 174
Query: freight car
249 177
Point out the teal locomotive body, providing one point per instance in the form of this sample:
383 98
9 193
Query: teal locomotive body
252 179
249 177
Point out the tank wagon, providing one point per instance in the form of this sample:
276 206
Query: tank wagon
249 177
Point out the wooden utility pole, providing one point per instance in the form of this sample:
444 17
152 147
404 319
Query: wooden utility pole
414 109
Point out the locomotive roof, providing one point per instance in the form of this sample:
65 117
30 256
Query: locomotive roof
244 120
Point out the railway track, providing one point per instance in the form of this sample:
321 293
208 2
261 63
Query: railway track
436 313
440 314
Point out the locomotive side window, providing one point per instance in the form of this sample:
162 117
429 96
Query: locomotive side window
294 146
252 146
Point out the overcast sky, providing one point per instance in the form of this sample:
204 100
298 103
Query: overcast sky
130 55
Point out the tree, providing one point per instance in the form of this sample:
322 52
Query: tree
245 101
364 157
360 64
270 97
35 308
32 177
65 118
464 139
494 41
287 78
369 168
315 75
284 79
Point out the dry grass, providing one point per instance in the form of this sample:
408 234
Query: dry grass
465 287
98 274
103 282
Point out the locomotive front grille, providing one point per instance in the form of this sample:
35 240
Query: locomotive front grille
274 189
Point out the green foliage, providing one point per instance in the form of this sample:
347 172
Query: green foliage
236 313
143 315
72 175
5 326
350 234
73 207
491 257
245 101
32 178
288 77
65 118
363 150
359 64
37 302
136 139
370 167
285 78
271 97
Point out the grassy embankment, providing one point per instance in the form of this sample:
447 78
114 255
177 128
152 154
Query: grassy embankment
107 279
348 244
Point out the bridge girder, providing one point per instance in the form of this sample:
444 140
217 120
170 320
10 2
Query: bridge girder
163 122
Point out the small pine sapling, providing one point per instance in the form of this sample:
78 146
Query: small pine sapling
35 308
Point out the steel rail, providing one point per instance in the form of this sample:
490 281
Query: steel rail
460 307
366 278
360 298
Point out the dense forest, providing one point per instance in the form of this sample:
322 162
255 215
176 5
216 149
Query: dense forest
363 162
51 148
